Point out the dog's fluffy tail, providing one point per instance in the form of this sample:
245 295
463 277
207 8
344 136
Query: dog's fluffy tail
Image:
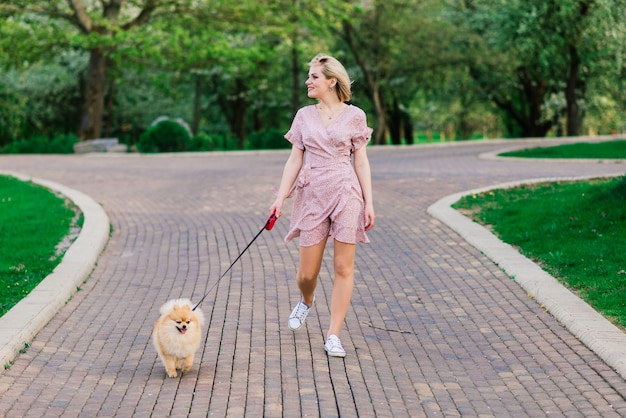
168 306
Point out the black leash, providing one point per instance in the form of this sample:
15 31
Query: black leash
269 224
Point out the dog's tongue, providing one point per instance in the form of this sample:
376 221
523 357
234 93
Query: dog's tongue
182 330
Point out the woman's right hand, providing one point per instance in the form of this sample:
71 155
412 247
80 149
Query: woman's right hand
277 208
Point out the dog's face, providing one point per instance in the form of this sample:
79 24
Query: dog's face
183 319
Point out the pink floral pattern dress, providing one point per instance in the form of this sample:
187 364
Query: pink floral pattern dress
329 200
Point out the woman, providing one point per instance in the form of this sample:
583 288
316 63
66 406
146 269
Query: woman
334 197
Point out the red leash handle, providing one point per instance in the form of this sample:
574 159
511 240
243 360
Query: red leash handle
270 222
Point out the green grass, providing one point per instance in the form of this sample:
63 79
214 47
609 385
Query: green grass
575 230
600 150
33 221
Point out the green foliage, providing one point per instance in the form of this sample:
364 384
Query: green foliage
30 38
165 136
28 246
460 69
523 53
604 114
41 100
142 97
269 139
212 142
62 144
381 42
13 111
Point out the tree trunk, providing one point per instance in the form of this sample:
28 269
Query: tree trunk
407 125
571 88
91 123
395 123
532 99
381 117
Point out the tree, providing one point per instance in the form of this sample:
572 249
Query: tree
505 59
602 48
232 68
228 62
400 47
526 51
101 27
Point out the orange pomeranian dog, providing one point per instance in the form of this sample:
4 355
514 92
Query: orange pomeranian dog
176 335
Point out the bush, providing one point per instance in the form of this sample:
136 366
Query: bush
214 142
269 139
165 136
63 144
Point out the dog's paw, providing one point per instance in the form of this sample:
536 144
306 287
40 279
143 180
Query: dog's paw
172 373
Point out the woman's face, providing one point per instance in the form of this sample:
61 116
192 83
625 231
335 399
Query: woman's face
317 84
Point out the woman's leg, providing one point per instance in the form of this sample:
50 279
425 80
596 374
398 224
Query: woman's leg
343 285
309 270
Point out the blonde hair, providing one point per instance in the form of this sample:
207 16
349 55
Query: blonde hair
332 68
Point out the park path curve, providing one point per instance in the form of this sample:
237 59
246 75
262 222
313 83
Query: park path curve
435 327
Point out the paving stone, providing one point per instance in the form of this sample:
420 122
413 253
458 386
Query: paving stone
435 327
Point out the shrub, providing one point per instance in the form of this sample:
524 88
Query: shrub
62 144
206 142
269 139
165 136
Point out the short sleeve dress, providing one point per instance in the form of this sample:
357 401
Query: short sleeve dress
329 200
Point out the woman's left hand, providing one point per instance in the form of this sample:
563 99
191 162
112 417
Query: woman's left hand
370 218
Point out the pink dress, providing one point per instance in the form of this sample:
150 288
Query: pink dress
329 199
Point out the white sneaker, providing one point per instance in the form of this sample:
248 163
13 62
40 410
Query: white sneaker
298 315
333 347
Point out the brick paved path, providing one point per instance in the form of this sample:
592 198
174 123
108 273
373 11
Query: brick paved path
435 328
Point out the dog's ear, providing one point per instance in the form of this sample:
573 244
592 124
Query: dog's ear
176 307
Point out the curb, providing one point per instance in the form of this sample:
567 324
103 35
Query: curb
20 324
591 328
